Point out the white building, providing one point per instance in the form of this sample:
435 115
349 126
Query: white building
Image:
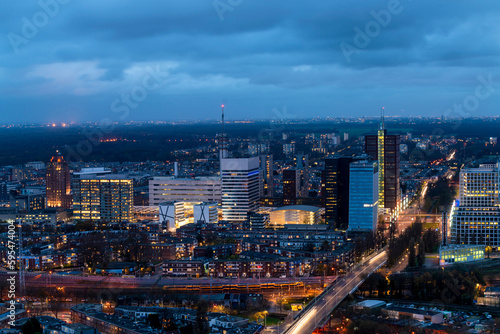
240 187
171 214
199 189
206 212
295 214
363 195
451 254
475 216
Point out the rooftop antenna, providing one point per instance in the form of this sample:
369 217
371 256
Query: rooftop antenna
382 126
222 106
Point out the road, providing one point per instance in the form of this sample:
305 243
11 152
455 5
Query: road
312 317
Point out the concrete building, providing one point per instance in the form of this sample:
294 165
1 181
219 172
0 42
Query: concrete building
98 195
475 215
335 192
451 254
295 214
171 214
363 196
412 313
207 212
199 189
240 188
58 183
386 149
291 186
267 175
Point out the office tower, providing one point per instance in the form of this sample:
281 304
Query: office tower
301 162
100 196
363 196
335 192
385 149
240 187
475 216
267 175
207 212
198 189
291 186
171 215
58 183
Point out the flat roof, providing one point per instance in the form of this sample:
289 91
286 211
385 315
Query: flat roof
299 207
371 303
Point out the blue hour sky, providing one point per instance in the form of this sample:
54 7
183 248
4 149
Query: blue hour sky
122 60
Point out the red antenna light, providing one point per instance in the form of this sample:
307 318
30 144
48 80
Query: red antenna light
222 106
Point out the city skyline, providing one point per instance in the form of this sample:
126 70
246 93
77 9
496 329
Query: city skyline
72 62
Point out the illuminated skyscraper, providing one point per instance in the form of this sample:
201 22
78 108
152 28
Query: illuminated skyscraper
58 183
240 187
101 196
385 149
267 174
363 196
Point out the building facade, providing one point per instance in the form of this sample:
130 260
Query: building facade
335 192
58 183
385 149
363 196
291 186
107 197
240 188
475 215
199 189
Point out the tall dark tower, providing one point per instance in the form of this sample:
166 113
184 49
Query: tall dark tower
335 192
58 183
385 149
223 153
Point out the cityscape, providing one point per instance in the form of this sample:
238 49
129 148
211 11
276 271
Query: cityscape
189 202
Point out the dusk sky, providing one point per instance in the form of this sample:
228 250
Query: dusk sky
121 60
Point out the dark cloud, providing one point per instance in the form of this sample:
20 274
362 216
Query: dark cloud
256 56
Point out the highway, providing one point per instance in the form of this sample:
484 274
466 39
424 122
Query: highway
311 317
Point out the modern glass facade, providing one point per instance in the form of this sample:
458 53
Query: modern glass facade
363 196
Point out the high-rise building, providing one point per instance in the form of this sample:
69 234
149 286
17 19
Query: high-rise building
267 175
291 186
363 196
301 162
335 192
240 187
58 183
385 149
199 189
100 196
476 214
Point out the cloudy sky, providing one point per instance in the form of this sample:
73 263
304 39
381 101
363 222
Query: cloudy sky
68 60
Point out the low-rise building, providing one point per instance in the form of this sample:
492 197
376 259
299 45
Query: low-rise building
412 313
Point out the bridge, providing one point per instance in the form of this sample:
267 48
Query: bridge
317 312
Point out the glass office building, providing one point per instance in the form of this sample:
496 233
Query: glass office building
363 196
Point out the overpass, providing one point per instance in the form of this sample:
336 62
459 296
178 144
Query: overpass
317 312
